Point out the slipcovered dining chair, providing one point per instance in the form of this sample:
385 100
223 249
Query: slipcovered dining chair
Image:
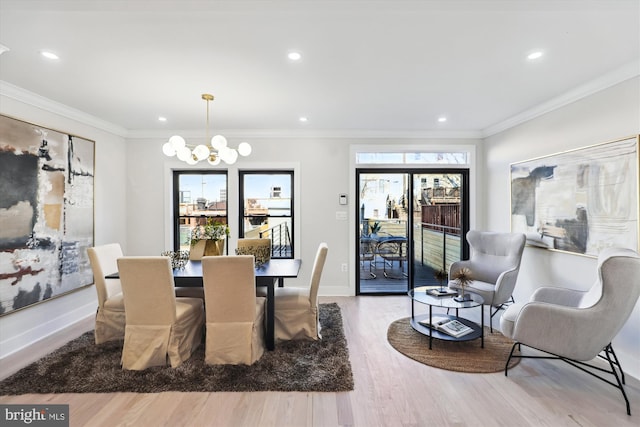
494 263
578 326
110 316
160 327
296 309
235 316
261 250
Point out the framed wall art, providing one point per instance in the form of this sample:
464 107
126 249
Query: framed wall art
579 201
46 213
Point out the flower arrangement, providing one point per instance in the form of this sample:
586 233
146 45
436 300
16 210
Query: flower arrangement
261 254
178 258
463 278
212 230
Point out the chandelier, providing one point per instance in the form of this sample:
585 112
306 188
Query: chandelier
218 151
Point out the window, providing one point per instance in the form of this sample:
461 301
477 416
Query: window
266 209
198 197
432 158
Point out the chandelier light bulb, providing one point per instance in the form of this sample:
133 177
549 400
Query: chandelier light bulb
201 152
218 142
244 149
183 153
214 159
168 149
192 160
177 142
232 156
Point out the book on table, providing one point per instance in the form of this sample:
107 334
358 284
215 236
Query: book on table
447 325
442 292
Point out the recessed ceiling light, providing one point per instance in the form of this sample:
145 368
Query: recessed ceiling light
49 55
442 119
304 119
535 55
294 56
162 119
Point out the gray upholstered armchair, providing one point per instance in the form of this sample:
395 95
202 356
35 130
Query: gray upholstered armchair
576 326
494 263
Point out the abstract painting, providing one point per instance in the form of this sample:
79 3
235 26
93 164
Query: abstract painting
580 201
46 213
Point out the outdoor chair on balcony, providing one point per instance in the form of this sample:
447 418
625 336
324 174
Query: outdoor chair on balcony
392 249
367 255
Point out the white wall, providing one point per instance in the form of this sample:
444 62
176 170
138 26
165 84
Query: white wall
604 116
24 327
322 169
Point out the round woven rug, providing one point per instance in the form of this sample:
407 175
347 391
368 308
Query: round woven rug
463 356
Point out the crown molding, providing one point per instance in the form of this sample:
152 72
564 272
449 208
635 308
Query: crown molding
606 81
19 94
307 133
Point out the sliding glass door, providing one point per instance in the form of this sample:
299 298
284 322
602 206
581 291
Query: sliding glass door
410 226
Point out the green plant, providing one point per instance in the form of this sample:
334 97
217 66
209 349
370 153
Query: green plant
375 227
212 230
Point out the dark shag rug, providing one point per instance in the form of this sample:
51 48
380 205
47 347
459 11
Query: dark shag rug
463 356
81 366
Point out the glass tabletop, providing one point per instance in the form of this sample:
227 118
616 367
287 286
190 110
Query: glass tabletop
420 294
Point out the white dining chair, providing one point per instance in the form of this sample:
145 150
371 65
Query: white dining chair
161 329
234 315
296 308
110 315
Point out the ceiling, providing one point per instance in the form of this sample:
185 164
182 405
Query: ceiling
376 67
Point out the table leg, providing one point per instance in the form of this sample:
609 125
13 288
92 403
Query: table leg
430 328
482 324
270 332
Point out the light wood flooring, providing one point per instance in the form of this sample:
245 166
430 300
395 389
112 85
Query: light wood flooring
390 390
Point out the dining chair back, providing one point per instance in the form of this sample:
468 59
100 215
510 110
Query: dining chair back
234 315
160 328
110 315
296 309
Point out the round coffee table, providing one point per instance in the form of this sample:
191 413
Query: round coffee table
420 295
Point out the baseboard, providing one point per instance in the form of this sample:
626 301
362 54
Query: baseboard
17 360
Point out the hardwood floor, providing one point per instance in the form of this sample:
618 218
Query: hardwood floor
390 390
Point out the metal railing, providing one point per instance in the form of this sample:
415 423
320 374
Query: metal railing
280 240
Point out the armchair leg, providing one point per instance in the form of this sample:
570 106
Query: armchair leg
609 355
502 306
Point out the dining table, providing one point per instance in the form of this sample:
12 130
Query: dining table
268 274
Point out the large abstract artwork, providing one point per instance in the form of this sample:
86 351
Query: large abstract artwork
46 213
579 201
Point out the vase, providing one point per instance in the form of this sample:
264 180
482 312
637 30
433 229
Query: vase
214 247
206 247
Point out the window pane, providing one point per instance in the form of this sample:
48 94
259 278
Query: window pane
267 209
200 197
459 158
268 194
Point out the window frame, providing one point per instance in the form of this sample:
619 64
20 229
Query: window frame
241 199
176 173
